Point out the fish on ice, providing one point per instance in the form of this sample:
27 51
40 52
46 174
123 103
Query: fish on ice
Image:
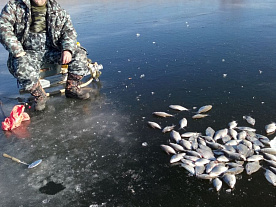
178 107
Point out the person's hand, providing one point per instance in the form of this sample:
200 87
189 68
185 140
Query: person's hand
20 54
66 57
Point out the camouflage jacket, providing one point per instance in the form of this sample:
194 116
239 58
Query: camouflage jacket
15 26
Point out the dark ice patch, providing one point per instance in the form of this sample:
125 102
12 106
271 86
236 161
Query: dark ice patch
51 188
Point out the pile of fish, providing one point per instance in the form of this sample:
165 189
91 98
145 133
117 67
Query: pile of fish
220 155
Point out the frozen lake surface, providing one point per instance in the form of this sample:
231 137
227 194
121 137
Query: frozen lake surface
155 53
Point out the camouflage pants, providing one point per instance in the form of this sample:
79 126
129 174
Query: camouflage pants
26 69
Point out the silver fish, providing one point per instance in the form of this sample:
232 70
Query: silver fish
190 157
270 176
210 166
270 128
217 184
177 147
249 129
199 116
204 109
272 143
168 149
242 135
235 170
208 154
193 153
252 167
230 148
222 158
214 145
273 169
269 156
220 133
234 156
250 153
242 149
218 170
188 162
249 120
232 124
201 141
208 138
189 168
199 170
178 108
234 164
206 176
183 123
201 162
175 136
154 125
162 114
247 143
189 134
210 132
177 157
229 179
254 158
233 142
258 143
233 133
268 150
168 129
186 144
271 162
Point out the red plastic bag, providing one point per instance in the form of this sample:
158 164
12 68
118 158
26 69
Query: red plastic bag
16 117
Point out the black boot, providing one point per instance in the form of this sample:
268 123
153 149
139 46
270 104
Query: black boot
73 89
40 96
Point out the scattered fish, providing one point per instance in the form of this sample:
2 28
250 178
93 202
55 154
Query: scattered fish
217 184
168 129
199 116
229 179
222 154
177 157
154 125
232 124
252 167
168 149
270 176
175 136
235 170
201 162
270 128
204 109
249 129
186 144
178 108
205 176
199 169
189 134
210 132
189 168
233 133
254 158
177 147
162 114
183 123
220 133
218 170
249 120
268 150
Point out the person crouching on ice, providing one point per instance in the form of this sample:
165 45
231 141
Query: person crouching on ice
36 32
